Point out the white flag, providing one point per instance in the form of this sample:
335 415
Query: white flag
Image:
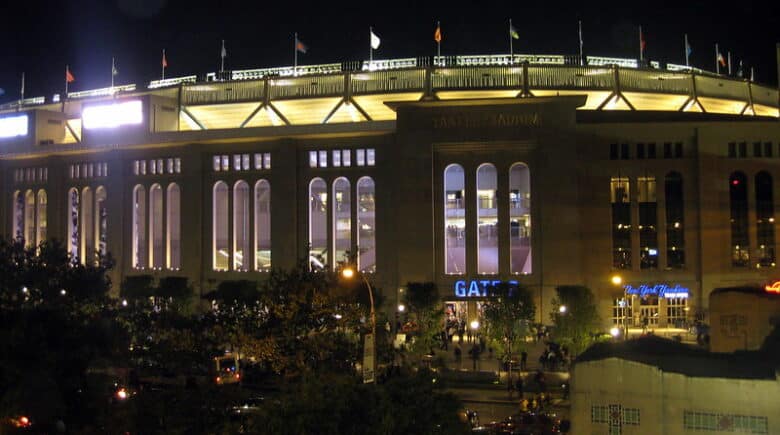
374 40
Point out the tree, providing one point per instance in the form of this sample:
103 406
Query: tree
507 315
578 323
422 300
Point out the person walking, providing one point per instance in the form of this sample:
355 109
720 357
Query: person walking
474 352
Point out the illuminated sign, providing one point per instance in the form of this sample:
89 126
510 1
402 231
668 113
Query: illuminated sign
773 288
478 287
12 126
660 290
112 115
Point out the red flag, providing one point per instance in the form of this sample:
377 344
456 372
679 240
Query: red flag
68 76
642 42
164 61
437 34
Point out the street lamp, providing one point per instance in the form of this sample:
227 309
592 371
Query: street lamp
369 346
618 280
562 309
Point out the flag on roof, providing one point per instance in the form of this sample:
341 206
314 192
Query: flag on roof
513 32
300 46
374 40
164 60
69 76
721 59
437 33
688 49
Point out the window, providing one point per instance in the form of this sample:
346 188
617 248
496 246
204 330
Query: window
648 221
346 158
18 215
323 159
139 227
29 219
767 149
217 164
520 219
765 220
366 225
336 158
342 219
262 226
667 150
177 165
756 149
220 228
732 149
621 223
225 163
101 220
156 236
717 422
267 160
675 311
361 157
651 151
237 162
370 157
622 312
318 224
40 216
487 220
241 236
173 227
640 151
740 249
613 151
73 224
454 219
624 151
87 226
743 149
675 221
312 159
245 162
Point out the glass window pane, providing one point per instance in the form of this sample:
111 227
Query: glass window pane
87 226
346 158
262 226
366 222
675 221
312 159
73 224
156 236
361 157
174 227
765 220
220 253
41 216
648 222
342 219
621 223
520 258
258 161
216 163
370 157
29 219
101 220
454 220
336 158
318 224
267 160
487 220
323 159
740 246
245 162
241 226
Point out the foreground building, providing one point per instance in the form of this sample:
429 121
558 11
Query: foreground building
657 386
742 317
464 171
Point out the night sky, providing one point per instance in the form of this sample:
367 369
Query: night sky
41 37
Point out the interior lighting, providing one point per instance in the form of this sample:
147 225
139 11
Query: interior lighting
12 126
112 115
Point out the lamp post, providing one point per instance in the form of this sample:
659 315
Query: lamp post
369 346
618 280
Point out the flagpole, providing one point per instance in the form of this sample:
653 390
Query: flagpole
438 43
295 55
22 90
752 74
686 50
717 59
163 66
582 58
729 57
113 68
370 47
641 55
67 69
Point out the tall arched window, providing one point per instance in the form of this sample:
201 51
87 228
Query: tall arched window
621 223
366 224
765 219
87 226
487 220
520 219
18 215
318 223
740 244
220 229
139 227
101 222
73 224
454 220
156 235
342 219
41 223
29 218
173 224
648 222
241 240
675 221
262 226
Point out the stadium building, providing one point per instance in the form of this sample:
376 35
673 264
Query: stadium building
465 171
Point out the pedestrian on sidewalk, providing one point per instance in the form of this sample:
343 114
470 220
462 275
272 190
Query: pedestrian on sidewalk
460 334
457 352
524 360
474 352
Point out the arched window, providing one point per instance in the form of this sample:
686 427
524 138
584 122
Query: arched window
87 226
139 227
101 223
156 235
262 226
740 244
40 215
765 219
342 219
621 222
366 217
648 222
241 240
173 224
29 218
73 224
18 215
487 220
318 223
520 219
220 230
675 221
454 220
